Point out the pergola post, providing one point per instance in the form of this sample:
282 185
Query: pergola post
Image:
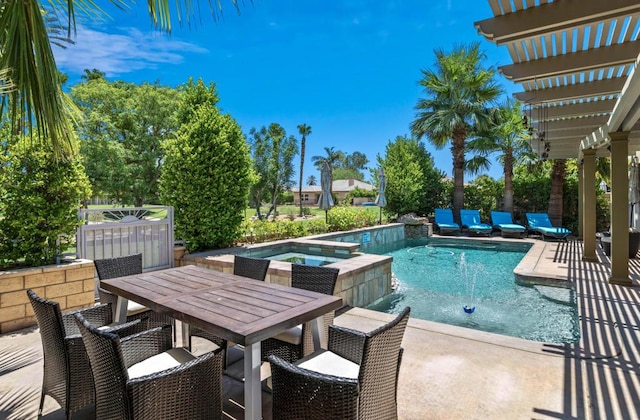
619 208
580 200
589 205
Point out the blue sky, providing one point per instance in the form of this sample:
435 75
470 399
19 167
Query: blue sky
349 69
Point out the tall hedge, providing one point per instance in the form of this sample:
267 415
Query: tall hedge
206 172
413 182
40 200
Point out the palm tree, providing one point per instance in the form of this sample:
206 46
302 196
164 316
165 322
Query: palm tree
304 131
556 195
331 158
459 91
312 180
29 81
508 137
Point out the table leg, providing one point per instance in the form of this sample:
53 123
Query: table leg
252 390
317 326
121 310
185 334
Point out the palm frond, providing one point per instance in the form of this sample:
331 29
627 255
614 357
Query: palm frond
6 85
36 98
161 11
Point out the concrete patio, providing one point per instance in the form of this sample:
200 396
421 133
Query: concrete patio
453 372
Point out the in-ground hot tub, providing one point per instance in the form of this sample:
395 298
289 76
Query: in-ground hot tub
303 258
363 278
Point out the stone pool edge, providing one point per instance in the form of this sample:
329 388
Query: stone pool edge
528 271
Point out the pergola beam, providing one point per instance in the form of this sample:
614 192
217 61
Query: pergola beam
571 153
569 92
579 109
580 61
576 134
568 124
625 113
553 17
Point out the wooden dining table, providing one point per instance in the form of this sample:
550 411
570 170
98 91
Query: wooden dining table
238 309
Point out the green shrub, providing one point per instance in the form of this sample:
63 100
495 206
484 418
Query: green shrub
40 200
358 193
285 197
414 184
317 226
483 194
340 219
343 218
206 173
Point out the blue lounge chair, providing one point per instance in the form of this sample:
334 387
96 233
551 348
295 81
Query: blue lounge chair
445 223
540 223
471 221
504 223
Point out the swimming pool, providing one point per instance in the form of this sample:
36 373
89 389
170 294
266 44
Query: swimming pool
440 278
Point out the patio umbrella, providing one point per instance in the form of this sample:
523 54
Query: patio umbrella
326 201
381 200
634 191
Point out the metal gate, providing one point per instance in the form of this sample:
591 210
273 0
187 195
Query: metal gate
115 232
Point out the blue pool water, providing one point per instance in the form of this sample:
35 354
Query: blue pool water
306 259
439 277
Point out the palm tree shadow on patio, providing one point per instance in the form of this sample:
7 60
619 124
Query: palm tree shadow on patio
20 402
601 370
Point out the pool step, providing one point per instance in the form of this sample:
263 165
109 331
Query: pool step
559 295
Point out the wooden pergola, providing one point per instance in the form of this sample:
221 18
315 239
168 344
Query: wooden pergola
576 61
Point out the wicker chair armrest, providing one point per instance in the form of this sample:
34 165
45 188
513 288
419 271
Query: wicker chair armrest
346 343
122 330
97 316
129 328
107 297
140 346
191 390
317 396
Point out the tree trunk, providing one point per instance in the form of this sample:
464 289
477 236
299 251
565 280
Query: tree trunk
457 150
555 197
257 200
274 205
302 146
508 182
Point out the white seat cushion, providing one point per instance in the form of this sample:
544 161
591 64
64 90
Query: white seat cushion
330 363
159 362
291 336
134 308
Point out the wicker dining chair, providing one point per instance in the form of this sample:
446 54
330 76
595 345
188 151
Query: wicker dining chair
253 268
297 342
66 373
356 378
128 265
143 377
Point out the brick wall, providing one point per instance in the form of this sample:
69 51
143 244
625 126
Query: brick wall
71 285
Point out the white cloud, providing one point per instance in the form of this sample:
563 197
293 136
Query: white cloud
123 52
